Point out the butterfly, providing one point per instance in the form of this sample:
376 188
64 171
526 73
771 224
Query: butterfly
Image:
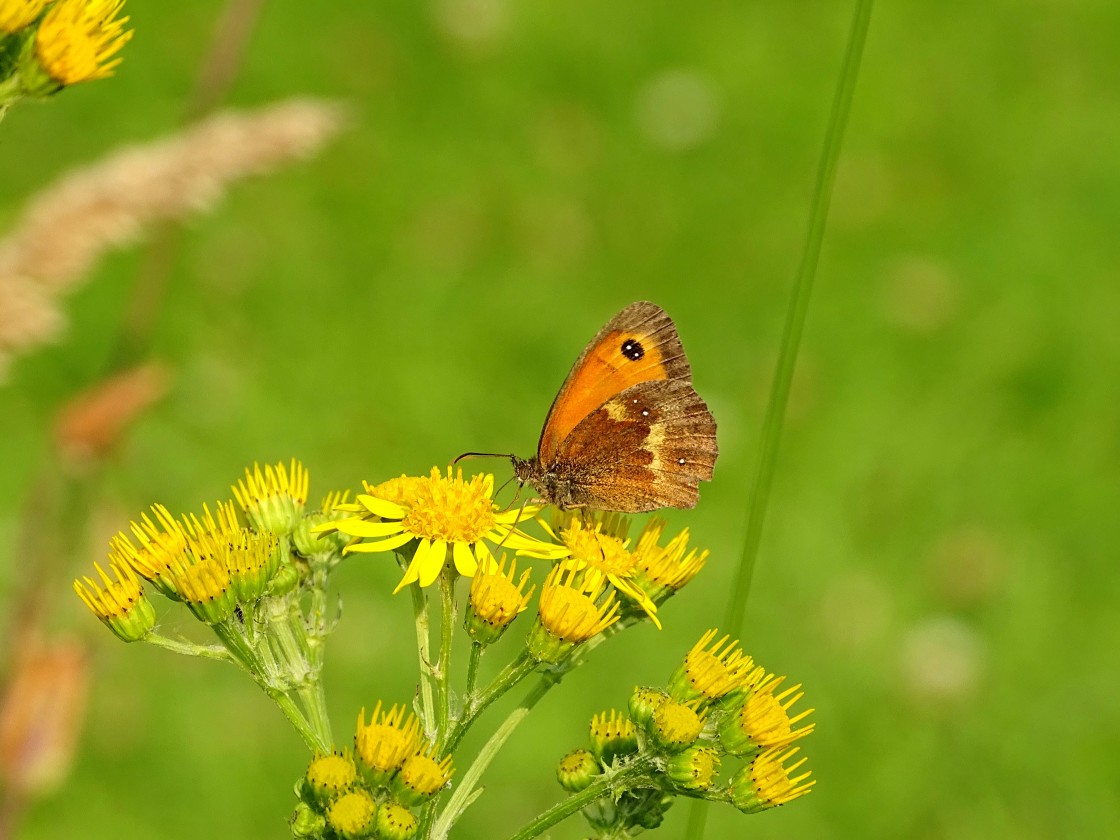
627 432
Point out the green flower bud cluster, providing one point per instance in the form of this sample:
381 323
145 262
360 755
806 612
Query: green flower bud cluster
717 706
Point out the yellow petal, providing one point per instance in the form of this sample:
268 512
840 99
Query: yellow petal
464 559
381 507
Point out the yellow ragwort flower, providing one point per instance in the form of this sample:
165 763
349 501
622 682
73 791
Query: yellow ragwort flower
352 815
676 725
569 613
663 571
763 719
602 555
693 769
496 600
387 740
766 782
445 516
119 602
78 39
422 776
161 543
17 14
273 499
612 735
204 585
709 674
329 775
250 557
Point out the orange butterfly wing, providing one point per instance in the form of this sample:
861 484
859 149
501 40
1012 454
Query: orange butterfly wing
627 432
607 366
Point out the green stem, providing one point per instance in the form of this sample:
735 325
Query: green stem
796 314
423 651
443 673
791 338
182 646
472 670
466 792
631 776
248 659
510 676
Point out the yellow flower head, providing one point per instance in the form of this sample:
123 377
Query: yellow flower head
352 815
612 735
441 515
204 585
119 601
395 822
17 14
577 770
77 40
250 557
709 674
569 614
663 571
676 725
161 543
274 498
767 782
496 600
599 550
329 775
763 719
693 769
386 741
422 776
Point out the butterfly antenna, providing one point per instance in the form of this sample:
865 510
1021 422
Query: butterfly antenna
467 455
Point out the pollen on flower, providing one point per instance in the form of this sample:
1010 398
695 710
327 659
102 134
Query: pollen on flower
767 782
451 509
387 740
17 14
78 39
601 554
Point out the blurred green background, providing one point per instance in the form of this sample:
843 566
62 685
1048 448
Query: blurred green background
938 568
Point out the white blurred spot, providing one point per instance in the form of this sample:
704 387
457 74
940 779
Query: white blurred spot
677 110
941 660
472 23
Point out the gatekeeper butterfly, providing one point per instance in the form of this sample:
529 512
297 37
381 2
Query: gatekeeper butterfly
627 432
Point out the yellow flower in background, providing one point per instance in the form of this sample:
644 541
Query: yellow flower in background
570 612
17 14
663 571
386 741
447 517
422 776
78 39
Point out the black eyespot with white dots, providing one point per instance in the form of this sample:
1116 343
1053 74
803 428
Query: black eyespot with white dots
632 350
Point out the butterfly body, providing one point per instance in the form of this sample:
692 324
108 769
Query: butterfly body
627 431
